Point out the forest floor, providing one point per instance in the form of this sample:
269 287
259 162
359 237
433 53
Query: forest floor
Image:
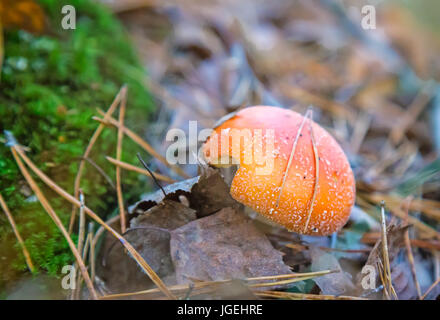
375 91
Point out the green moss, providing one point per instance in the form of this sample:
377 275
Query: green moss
51 86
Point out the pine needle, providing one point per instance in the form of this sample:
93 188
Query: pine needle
410 254
303 296
86 154
118 169
101 229
26 254
15 152
197 286
316 182
130 167
430 288
293 275
80 244
141 142
135 255
387 282
292 153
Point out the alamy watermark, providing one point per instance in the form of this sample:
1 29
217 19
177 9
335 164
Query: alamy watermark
68 282
229 146
68 22
368 21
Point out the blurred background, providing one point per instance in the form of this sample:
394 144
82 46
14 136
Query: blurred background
375 90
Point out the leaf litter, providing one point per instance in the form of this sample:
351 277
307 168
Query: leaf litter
208 60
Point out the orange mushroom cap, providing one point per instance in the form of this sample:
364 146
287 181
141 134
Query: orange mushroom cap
285 193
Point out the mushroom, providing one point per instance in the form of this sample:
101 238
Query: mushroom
290 169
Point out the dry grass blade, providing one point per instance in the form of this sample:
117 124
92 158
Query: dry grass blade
141 142
86 154
15 152
26 254
303 296
316 182
292 153
430 288
130 167
136 256
118 169
387 282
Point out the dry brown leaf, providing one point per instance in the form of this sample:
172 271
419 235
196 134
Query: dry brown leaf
149 234
338 283
222 246
206 194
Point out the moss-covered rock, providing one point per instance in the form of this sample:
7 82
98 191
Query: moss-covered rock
51 85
